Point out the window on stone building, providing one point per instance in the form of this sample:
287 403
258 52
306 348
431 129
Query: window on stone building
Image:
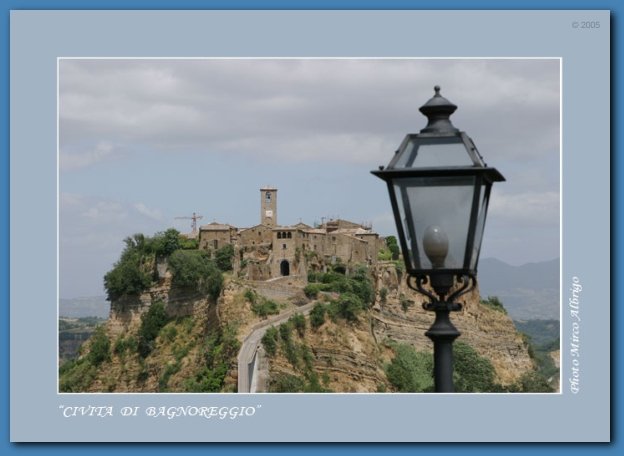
289 235
284 246
215 244
267 197
279 235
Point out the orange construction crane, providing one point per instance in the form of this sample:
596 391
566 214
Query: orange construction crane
194 218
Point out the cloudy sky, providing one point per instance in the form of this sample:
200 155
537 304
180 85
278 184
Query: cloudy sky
144 141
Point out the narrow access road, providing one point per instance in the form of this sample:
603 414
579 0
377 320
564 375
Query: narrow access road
247 353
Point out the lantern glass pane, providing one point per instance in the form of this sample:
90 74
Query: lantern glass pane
482 210
441 204
431 153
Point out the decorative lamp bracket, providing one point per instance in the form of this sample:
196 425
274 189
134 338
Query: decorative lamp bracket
439 300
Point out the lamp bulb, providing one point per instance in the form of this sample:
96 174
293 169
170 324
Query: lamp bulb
435 244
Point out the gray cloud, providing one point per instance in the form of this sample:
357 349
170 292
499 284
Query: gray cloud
350 110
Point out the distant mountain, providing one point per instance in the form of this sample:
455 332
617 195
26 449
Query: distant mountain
528 292
92 306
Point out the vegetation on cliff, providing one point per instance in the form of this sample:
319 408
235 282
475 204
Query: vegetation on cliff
76 375
542 337
147 356
359 336
164 354
135 271
289 340
412 371
391 250
354 292
195 269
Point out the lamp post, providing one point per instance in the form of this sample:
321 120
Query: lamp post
439 188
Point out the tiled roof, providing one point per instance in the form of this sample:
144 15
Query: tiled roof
214 226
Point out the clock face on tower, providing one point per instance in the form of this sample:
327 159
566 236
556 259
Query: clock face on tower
268 213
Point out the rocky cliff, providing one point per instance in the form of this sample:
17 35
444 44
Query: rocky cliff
490 332
195 343
351 356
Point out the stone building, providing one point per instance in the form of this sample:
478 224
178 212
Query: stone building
256 235
215 235
271 250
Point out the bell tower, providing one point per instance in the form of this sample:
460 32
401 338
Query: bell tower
268 206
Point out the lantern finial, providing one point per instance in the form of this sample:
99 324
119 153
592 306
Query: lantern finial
438 111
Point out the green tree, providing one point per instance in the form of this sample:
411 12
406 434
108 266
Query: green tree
194 269
317 315
99 348
473 373
299 323
165 243
269 341
219 353
348 306
131 275
152 322
224 256
393 246
409 370
286 383
533 382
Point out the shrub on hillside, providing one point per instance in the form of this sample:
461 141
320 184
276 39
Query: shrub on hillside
264 307
533 382
393 246
131 275
269 341
473 373
224 256
317 315
99 348
152 322
312 290
163 244
347 306
409 370
134 272
286 383
299 323
356 293
219 352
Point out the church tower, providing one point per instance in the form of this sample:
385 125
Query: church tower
268 206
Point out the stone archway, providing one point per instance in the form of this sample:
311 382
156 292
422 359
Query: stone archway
285 268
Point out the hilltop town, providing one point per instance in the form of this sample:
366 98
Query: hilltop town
270 250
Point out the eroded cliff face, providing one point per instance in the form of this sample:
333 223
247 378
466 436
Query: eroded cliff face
490 332
347 356
178 351
350 356
126 312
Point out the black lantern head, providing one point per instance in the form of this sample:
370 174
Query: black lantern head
439 188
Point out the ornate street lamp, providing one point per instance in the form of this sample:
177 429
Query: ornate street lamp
439 188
